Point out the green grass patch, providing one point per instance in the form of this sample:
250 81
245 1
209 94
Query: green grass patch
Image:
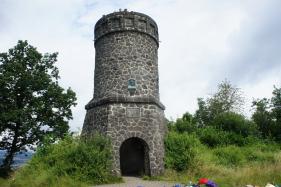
228 165
72 162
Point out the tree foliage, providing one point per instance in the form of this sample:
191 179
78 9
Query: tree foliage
228 98
263 117
276 105
33 104
219 120
233 122
185 124
267 115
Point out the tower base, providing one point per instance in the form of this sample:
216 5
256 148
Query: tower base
136 131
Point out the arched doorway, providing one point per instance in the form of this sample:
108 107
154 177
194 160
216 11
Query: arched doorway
134 157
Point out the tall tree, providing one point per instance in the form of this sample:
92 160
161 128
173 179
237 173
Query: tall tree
228 98
263 117
276 112
276 104
186 123
202 114
267 115
33 104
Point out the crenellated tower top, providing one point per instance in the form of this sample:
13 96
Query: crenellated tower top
126 21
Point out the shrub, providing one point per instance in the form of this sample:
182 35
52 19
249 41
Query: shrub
212 137
237 139
236 156
230 155
236 123
254 154
86 161
184 126
181 151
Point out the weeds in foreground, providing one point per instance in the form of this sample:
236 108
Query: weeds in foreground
230 170
72 162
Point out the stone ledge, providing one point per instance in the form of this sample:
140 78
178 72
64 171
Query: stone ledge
122 99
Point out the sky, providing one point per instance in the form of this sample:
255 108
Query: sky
202 43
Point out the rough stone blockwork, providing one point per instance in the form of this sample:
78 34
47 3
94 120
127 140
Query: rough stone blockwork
126 101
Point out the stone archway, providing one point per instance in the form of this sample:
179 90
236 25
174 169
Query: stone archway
134 157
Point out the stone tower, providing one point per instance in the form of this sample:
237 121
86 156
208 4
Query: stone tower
126 106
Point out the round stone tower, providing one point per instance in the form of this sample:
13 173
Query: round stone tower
126 106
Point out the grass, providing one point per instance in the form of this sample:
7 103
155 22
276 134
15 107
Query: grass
230 177
233 166
255 162
254 172
42 180
72 162
4 182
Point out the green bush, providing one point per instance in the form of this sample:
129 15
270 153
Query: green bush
181 151
230 155
238 139
73 160
185 124
268 146
237 156
212 137
236 123
254 154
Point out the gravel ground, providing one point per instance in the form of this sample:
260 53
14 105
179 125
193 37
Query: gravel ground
138 182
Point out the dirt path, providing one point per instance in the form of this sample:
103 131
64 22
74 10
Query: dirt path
138 182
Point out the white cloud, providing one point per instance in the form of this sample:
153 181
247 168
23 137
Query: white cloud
202 43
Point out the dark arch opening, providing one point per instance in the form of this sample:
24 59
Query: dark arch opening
134 157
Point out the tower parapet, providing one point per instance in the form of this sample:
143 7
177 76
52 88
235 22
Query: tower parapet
126 21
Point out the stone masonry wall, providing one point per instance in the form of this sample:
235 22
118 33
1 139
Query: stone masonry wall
123 56
142 121
122 121
96 120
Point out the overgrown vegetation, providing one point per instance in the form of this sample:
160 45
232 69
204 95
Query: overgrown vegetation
218 142
181 151
232 166
70 162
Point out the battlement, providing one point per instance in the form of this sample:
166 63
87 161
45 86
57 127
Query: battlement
126 21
